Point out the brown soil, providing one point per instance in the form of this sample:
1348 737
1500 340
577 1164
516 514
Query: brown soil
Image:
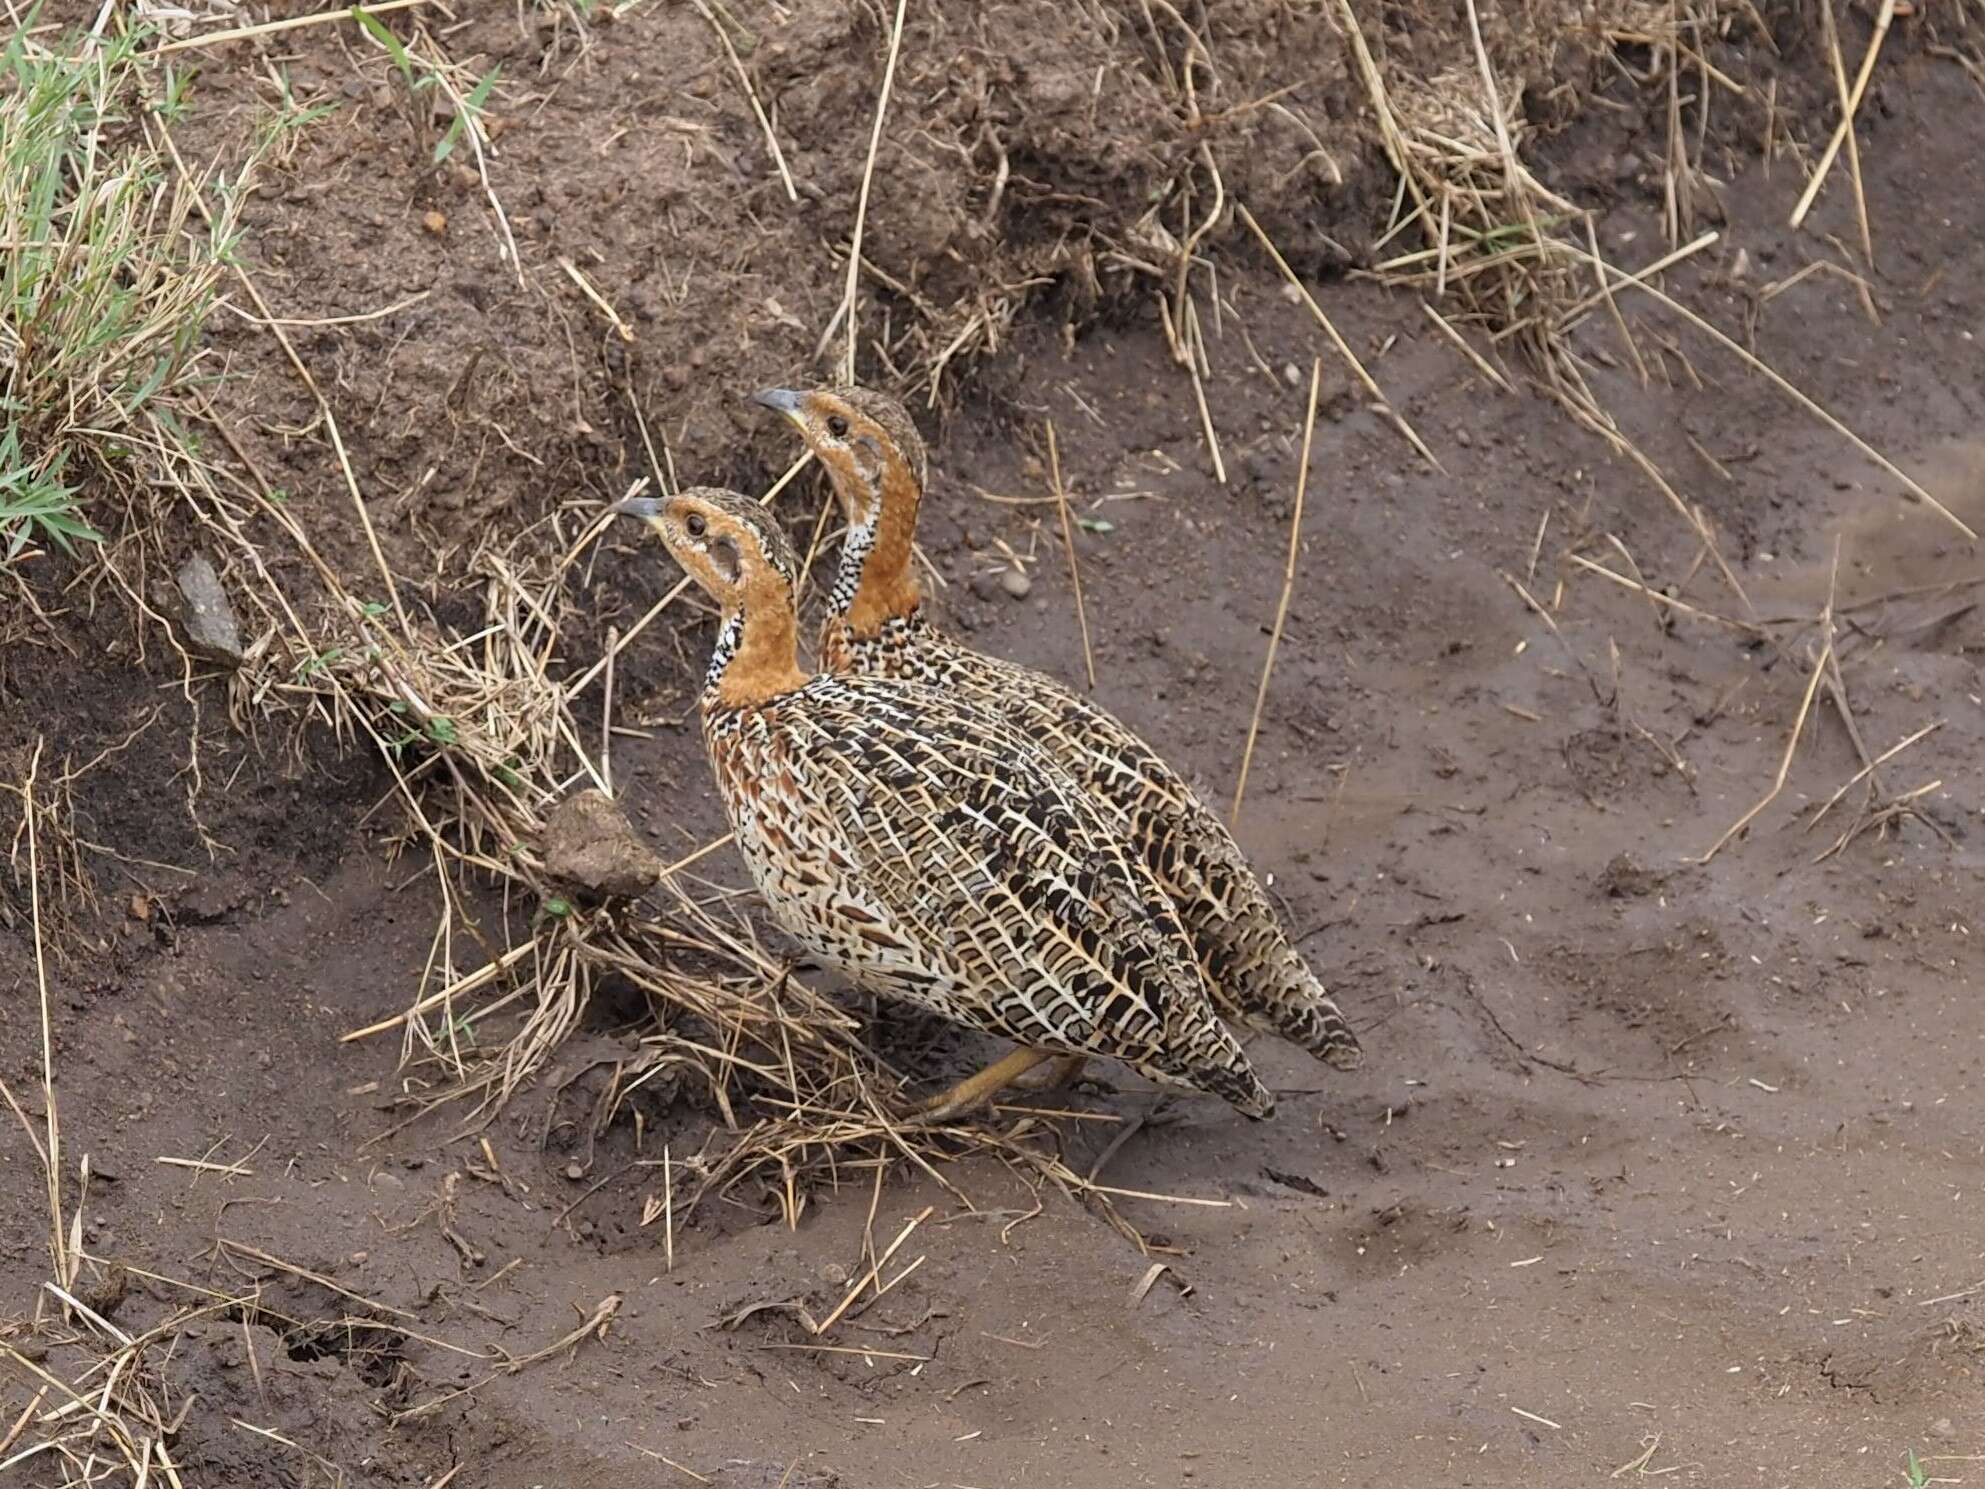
1653 1163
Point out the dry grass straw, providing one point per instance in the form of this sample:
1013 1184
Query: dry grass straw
751 96
50 1150
272 28
1878 810
1097 253
48 853
1068 542
1288 589
1509 250
1815 638
1914 488
1483 219
1343 347
1850 105
849 308
109 1420
1490 235
1818 674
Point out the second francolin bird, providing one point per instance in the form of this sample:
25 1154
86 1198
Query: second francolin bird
875 625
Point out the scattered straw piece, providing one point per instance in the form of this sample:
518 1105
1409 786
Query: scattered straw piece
593 1326
1607 289
1637 1465
1798 722
232 1170
51 1154
1779 381
1846 125
1343 347
1163 1199
461 986
1288 588
751 96
861 202
1483 365
1830 31
1656 597
1068 542
871 1274
621 328
1870 768
270 28
664 1458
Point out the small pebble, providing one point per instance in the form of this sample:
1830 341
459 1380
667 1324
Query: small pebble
435 222
574 1172
1016 583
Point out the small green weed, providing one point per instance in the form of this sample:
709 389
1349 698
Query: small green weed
471 108
282 131
33 502
421 77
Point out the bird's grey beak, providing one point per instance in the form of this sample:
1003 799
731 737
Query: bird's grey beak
647 508
780 400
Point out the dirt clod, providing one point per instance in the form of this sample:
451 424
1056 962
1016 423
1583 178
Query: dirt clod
1625 879
591 849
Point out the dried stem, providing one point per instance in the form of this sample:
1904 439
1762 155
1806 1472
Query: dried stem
1288 588
1068 542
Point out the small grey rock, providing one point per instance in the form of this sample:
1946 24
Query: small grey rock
209 620
591 849
1016 583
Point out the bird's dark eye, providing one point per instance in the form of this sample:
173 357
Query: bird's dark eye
696 524
837 426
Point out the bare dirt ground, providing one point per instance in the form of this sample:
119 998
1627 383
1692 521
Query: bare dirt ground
1657 1168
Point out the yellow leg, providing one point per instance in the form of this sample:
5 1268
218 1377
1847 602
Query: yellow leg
1062 1074
977 1089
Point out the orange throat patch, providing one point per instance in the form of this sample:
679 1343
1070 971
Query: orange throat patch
883 596
888 589
766 662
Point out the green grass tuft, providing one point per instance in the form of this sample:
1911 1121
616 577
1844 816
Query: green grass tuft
106 282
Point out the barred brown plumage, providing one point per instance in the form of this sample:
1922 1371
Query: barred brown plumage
875 627
927 849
